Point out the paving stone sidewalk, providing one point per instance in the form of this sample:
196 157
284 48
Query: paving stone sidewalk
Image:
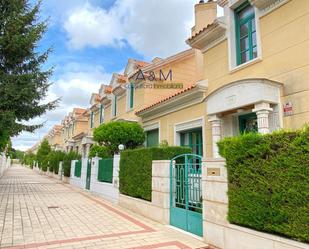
41 212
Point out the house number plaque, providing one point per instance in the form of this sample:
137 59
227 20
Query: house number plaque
213 171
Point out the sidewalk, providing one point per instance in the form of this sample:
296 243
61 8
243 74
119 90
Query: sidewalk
41 212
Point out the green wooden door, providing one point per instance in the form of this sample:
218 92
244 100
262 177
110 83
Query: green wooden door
248 123
186 193
152 138
193 139
88 175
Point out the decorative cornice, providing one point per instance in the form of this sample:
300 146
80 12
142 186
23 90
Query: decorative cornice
181 101
222 3
119 90
106 99
210 36
265 4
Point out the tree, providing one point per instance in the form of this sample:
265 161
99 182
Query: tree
28 159
42 154
23 82
100 151
130 134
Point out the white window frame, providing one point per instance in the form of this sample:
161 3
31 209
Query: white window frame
229 12
189 125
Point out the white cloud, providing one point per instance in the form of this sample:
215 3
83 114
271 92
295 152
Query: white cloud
152 27
92 26
74 87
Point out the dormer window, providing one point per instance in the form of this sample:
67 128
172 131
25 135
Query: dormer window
246 44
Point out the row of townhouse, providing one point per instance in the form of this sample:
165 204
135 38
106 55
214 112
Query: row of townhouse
245 71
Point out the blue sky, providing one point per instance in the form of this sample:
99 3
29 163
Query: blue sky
91 39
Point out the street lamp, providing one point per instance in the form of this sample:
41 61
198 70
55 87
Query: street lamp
121 147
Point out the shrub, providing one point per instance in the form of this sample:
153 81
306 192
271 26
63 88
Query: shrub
111 134
101 151
42 154
54 158
136 169
268 182
67 162
28 159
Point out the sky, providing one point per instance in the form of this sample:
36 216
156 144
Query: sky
92 39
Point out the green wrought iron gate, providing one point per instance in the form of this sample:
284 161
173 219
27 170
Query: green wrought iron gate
88 175
186 193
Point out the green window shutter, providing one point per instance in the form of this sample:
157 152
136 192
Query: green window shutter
101 114
131 96
91 119
152 138
105 172
246 45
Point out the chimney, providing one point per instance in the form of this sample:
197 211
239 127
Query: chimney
205 14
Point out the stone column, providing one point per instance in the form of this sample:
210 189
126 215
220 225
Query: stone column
73 162
216 134
87 150
160 196
60 170
94 171
116 162
215 201
262 111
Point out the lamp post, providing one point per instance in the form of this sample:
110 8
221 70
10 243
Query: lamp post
120 147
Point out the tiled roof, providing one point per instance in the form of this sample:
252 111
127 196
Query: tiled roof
108 89
202 30
122 78
141 63
167 98
78 110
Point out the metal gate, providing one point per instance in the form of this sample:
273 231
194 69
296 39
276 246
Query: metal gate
88 175
186 193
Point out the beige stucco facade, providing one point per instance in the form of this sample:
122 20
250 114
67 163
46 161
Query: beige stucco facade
262 86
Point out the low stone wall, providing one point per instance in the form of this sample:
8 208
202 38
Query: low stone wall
108 191
158 208
79 181
218 231
5 163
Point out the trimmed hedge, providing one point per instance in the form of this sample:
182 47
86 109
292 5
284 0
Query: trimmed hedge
67 162
54 158
136 169
268 182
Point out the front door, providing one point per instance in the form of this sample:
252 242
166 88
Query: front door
88 175
186 193
248 123
193 139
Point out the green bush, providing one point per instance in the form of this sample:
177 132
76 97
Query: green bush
42 154
67 162
136 169
28 159
111 134
268 182
101 151
54 158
